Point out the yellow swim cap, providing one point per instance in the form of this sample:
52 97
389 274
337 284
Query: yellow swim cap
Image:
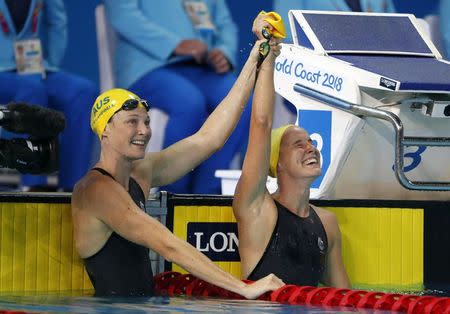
275 142
275 20
106 105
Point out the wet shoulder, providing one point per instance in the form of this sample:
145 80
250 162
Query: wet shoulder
327 217
329 221
92 184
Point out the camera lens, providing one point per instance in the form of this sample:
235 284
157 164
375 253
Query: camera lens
447 111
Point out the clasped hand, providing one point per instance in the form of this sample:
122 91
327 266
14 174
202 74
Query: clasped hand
198 50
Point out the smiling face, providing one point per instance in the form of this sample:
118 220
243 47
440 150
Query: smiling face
298 156
128 133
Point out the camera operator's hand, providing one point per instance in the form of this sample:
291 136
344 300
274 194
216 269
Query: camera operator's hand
33 156
259 24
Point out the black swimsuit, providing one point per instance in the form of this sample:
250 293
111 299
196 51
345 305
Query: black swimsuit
121 267
296 251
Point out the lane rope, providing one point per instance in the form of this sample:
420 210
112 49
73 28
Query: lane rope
174 283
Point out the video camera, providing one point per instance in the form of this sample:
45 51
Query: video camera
37 154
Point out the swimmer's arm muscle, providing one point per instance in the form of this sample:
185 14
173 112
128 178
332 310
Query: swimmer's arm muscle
335 273
251 187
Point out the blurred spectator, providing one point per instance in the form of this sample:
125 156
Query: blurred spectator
179 56
444 17
419 8
33 38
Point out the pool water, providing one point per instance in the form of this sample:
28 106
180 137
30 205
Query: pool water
84 305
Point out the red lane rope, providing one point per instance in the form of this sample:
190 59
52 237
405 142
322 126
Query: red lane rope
173 283
298 296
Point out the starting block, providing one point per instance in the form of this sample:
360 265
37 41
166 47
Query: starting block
374 94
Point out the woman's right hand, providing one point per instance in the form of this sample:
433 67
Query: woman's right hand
275 49
259 24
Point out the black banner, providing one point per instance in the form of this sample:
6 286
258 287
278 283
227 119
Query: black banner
217 240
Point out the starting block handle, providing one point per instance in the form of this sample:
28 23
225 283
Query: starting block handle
400 139
426 141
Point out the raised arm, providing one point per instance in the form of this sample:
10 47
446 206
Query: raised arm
251 187
173 162
122 215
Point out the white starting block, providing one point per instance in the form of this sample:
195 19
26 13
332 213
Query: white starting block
374 94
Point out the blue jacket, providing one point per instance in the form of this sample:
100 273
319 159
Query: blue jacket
445 26
51 28
149 31
283 6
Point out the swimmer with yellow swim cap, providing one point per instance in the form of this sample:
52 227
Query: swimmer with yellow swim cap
108 103
282 233
113 234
